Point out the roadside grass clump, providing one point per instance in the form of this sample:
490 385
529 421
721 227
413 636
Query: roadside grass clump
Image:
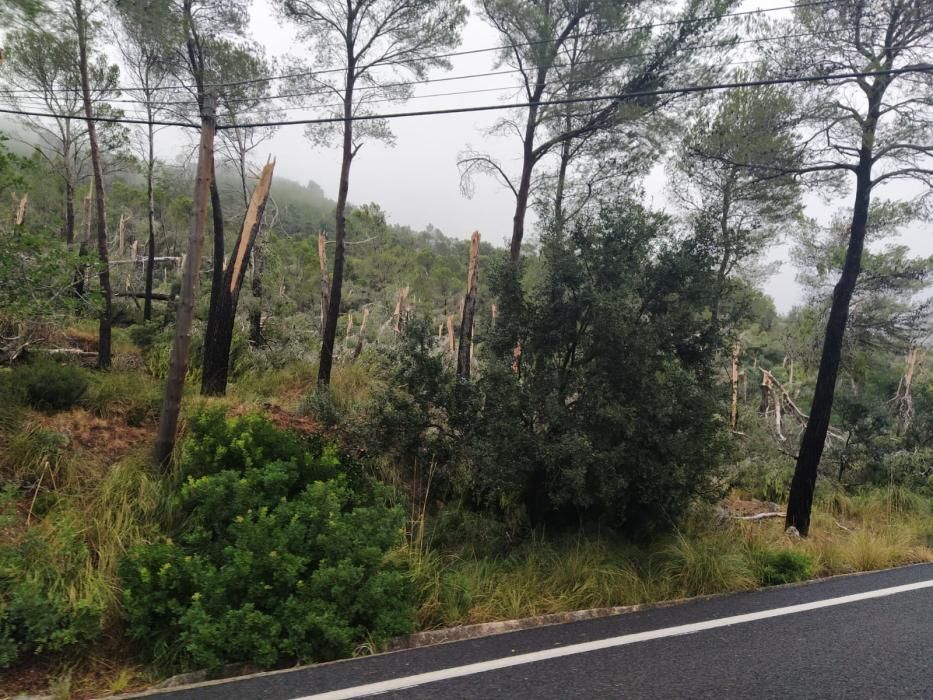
895 499
130 506
773 567
537 579
348 395
838 503
708 564
292 379
50 386
275 556
132 396
31 455
458 583
44 608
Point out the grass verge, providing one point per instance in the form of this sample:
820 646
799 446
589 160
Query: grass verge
710 556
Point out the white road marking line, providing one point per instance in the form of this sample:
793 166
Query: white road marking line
584 647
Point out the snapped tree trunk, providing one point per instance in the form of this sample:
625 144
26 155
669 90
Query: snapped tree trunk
464 352
800 500
220 334
178 365
21 210
103 349
360 336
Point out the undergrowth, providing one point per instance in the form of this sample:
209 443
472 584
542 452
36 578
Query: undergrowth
463 586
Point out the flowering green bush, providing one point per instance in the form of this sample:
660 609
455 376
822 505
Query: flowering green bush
277 558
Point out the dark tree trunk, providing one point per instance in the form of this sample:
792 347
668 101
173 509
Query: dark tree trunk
103 350
218 339
217 353
178 365
561 181
214 371
469 311
524 187
255 311
803 484
150 244
69 231
336 287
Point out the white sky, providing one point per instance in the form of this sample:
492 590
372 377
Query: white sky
417 181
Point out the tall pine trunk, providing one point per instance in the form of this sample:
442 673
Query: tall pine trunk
150 244
103 350
178 365
800 500
69 232
529 158
524 188
214 374
336 287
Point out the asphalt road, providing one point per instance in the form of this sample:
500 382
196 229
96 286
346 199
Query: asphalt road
879 647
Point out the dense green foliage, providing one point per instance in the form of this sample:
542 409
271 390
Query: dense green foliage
609 415
277 557
37 614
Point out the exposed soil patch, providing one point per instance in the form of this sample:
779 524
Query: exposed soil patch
106 438
742 507
281 418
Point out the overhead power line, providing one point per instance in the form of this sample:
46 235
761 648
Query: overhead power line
684 90
620 97
15 94
468 52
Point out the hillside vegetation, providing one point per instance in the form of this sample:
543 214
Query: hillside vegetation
244 426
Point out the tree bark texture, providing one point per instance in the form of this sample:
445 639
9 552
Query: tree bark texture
469 311
734 413
217 265
103 350
150 215
69 230
336 287
360 336
219 335
178 365
255 312
800 500
325 282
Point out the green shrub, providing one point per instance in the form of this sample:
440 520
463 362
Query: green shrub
145 334
39 611
277 557
774 567
50 386
320 404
